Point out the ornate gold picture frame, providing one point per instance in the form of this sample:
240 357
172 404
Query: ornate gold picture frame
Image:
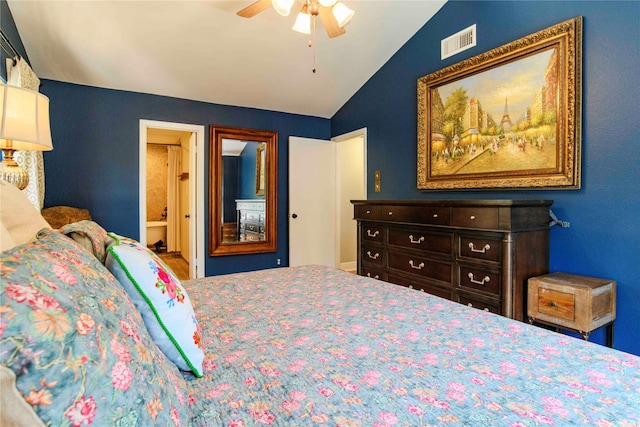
508 118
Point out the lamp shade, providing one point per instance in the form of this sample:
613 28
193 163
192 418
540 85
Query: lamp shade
283 7
24 119
303 22
327 3
342 13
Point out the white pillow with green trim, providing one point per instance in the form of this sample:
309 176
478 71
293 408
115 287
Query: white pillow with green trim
161 299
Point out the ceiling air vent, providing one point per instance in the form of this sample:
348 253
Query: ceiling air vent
462 40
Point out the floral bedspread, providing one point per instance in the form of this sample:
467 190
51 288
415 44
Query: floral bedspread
314 346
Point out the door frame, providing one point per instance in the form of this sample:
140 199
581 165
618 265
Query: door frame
196 189
337 139
337 232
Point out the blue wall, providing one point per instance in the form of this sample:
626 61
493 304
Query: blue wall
603 239
229 188
247 173
94 163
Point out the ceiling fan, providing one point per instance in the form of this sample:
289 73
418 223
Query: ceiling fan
334 15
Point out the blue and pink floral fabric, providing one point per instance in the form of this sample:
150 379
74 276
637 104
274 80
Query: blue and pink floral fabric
161 299
78 346
312 346
89 235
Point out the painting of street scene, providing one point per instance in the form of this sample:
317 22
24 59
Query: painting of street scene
501 120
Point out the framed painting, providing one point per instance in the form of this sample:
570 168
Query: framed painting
507 118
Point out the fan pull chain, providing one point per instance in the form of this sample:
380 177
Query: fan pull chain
313 44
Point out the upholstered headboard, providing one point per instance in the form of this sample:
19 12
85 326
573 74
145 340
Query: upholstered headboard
57 216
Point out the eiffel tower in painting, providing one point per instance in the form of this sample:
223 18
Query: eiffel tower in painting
506 123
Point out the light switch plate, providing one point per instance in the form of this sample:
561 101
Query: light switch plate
376 185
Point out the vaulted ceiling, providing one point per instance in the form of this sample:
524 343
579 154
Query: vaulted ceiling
201 50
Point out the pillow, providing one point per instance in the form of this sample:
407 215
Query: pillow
20 218
89 235
77 344
6 240
161 299
14 410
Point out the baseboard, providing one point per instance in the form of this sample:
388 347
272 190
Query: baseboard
349 266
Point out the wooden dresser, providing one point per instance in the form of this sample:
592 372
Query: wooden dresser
251 219
476 252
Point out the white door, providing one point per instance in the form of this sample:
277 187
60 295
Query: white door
312 202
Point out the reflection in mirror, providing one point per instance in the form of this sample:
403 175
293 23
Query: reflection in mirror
243 213
243 191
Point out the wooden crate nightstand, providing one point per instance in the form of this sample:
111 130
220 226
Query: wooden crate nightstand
568 301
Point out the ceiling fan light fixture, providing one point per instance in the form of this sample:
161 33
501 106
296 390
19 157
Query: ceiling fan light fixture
342 13
283 7
327 3
303 22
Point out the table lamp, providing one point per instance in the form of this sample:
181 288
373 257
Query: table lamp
24 125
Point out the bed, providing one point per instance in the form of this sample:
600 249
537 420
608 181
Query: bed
297 346
317 346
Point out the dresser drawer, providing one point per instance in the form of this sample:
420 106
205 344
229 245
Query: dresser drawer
425 215
484 218
365 212
422 267
373 255
478 278
420 239
250 205
372 232
252 216
483 248
439 291
372 272
471 300
254 228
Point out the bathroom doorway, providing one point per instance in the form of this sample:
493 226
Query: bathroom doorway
172 194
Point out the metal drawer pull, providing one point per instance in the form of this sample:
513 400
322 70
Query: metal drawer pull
390 213
481 251
420 240
553 304
485 309
435 215
478 282
373 256
370 234
368 212
472 217
417 267
375 277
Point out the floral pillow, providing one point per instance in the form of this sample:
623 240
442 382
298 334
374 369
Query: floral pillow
161 299
90 235
77 344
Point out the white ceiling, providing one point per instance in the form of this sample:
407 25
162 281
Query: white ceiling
201 50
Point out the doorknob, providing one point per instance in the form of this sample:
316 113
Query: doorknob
294 216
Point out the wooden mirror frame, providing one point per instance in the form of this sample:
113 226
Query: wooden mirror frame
218 247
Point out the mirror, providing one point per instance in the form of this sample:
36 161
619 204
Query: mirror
242 200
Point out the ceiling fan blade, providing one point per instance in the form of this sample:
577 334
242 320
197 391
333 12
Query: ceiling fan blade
330 23
254 8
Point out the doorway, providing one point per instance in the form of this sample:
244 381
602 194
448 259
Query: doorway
324 176
182 222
